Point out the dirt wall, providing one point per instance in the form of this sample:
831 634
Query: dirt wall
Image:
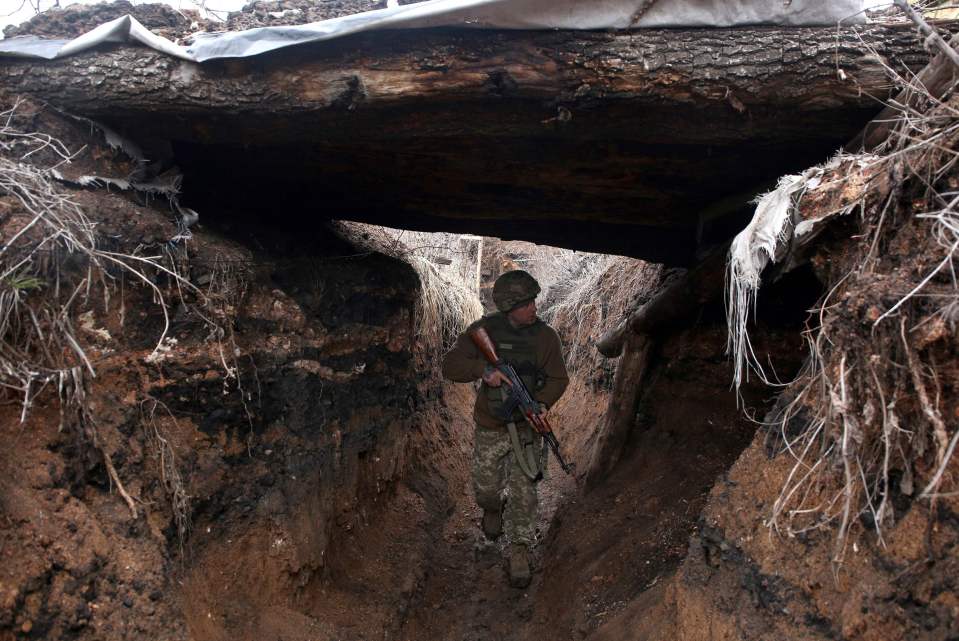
269 452
622 542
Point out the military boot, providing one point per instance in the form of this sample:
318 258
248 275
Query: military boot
519 571
492 523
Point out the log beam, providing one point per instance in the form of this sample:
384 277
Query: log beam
934 82
736 70
698 286
621 411
608 142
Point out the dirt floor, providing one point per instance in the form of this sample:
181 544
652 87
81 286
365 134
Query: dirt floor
603 550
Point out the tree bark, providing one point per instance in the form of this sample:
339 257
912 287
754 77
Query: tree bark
607 142
733 70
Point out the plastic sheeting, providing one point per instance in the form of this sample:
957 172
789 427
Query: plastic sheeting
482 14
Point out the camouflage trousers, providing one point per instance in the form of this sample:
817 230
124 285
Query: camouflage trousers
496 471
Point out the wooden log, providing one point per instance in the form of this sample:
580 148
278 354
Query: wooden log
741 72
621 412
607 142
932 36
701 284
705 282
937 79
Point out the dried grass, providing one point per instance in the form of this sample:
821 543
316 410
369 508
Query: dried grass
52 265
605 290
448 269
582 292
51 261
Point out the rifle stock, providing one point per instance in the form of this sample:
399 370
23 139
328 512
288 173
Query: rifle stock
485 344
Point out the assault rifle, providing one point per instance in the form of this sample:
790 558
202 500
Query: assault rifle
519 396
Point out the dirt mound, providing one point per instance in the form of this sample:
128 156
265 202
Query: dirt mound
840 519
77 19
270 438
179 25
272 13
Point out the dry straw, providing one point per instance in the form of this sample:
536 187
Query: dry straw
603 292
448 269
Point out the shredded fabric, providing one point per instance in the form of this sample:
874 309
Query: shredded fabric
766 240
751 251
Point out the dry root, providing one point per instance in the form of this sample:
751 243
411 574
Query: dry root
865 423
52 265
167 466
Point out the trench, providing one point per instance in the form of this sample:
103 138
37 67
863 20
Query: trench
325 462
322 465
350 513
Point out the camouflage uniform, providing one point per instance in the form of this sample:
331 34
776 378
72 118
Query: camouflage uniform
495 468
536 354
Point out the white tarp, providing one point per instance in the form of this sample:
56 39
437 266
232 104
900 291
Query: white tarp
482 14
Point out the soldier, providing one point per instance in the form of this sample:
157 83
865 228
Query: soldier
508 454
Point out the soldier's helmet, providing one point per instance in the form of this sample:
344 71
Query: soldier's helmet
513 289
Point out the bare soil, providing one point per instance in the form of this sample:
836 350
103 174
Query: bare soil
327 471
600 552
330 497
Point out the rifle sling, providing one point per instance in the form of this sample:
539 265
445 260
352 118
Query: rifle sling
527 461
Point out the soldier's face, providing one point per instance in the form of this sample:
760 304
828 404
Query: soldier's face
523 315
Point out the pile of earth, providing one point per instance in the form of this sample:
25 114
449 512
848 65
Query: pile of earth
272 13
179 25
77 19
273 435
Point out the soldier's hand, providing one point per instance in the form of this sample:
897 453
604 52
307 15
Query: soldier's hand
495 378
542 412
538 420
